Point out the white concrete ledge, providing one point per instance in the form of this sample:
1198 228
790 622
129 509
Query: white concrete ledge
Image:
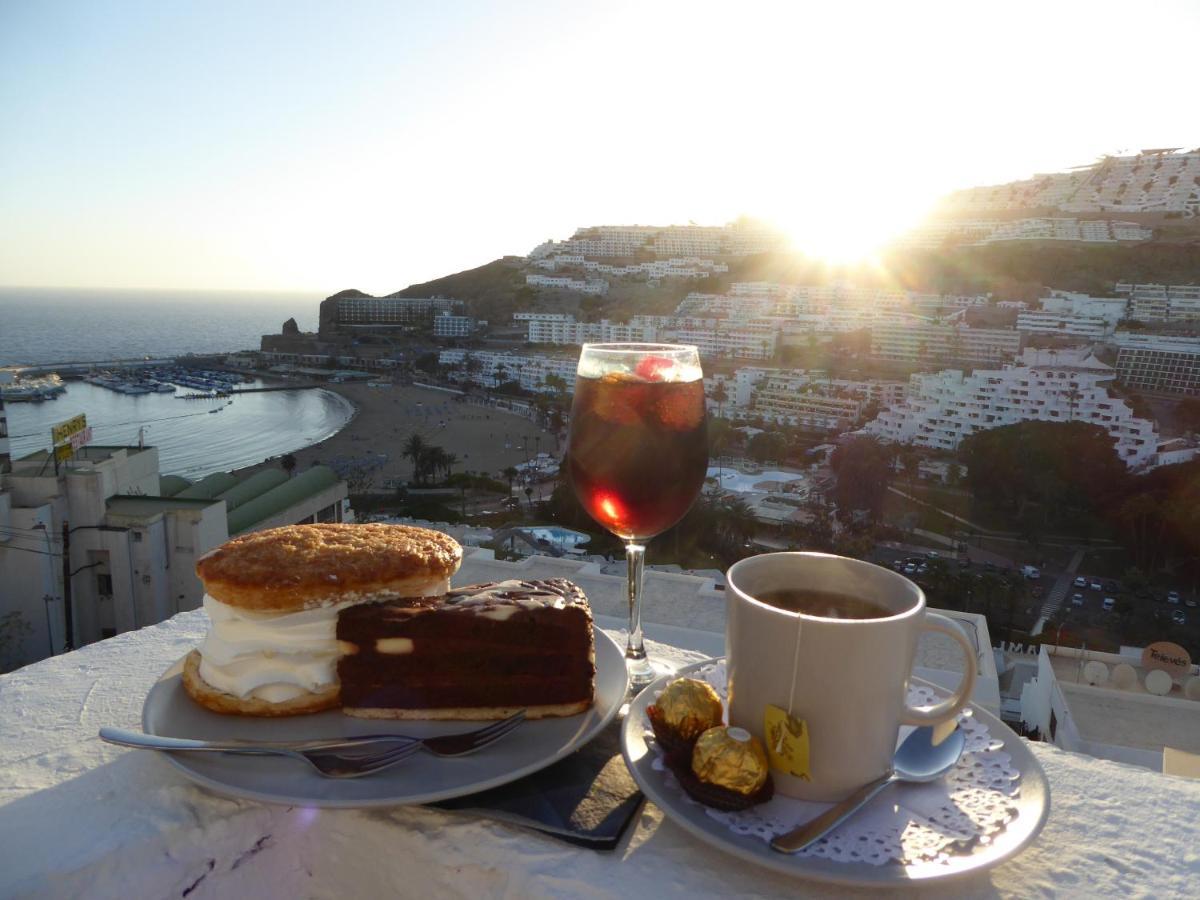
82 818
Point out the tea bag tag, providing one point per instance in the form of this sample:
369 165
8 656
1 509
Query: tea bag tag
787 742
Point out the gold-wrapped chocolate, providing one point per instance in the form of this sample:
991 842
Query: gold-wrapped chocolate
731 758
689 707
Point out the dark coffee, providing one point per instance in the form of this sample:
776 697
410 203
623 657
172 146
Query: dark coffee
826 604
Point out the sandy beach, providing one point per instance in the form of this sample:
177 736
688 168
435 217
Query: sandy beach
484 438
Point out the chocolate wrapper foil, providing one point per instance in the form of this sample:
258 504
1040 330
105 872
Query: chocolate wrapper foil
689 707
731 758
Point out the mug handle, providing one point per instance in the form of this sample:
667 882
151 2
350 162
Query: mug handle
940 712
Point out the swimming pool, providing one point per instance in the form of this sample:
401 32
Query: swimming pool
563 538
741 483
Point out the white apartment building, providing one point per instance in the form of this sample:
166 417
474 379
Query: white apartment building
713 337
489 368
133 537
127 568
597 286
1156 362
1047 385
686 267
797 401
739 238
1173 304
911 339
1068 303
1160 180
1063 325
575 333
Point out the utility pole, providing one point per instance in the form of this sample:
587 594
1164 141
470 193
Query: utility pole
68 609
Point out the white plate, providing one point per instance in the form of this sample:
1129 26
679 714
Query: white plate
423 778
1033 805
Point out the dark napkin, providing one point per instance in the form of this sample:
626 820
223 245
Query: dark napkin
588 798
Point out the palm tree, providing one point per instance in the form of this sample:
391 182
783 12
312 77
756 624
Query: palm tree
288 462
415 449
719 396
434 460
449 461
510 473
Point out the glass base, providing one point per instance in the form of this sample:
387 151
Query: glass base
643 671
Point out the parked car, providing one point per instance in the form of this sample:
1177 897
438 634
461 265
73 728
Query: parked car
1173 597
910 569
1178 617
922 569
898 565
932 554
1031 572
1109 603
1190 601
1077 599
1096 586
1080 582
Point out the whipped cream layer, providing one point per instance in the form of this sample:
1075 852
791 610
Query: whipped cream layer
278 656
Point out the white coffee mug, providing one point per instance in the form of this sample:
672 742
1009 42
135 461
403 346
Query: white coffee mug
847 680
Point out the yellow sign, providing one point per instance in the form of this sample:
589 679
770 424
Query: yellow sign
63 430
63 453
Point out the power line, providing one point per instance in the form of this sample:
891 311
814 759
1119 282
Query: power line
119 424
27 550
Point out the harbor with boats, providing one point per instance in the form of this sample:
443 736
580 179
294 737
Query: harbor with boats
126 404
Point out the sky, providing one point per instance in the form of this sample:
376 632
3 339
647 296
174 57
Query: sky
318 146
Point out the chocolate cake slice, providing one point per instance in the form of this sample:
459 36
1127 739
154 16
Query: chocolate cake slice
478 652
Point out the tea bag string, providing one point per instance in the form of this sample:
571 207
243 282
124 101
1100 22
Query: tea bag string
791 707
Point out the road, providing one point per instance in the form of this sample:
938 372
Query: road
1057 594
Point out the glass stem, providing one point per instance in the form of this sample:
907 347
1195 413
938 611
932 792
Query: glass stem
635 652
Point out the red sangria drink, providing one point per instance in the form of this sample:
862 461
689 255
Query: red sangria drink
638 452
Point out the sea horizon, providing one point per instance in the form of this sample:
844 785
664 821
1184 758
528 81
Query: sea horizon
62 325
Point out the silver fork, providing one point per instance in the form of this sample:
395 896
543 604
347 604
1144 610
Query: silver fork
331 758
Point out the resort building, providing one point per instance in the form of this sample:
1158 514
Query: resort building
1153 181
798 402
1069 303
1172 304
713 337
736 239
1093 231
490 368
130 537
448 325
351 310
676 267
1140 706
909 339
1048 385
1157 362
596 286
1063 325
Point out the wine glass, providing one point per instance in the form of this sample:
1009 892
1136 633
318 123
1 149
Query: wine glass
638 455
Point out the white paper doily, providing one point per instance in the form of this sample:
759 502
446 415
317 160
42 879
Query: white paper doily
906 823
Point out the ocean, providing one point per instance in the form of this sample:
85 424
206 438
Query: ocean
47 326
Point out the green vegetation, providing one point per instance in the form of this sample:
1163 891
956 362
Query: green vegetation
864 469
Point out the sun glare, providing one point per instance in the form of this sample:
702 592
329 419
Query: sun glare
841 235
